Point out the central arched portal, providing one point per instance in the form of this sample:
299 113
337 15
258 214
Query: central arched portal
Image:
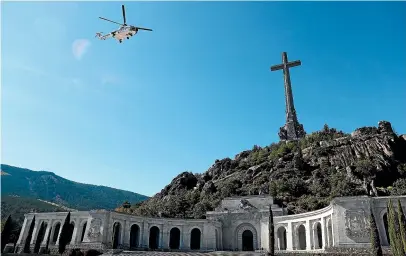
247 240
246 237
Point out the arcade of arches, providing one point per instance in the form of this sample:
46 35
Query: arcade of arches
232 226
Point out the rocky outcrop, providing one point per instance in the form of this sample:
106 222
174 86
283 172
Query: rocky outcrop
302 175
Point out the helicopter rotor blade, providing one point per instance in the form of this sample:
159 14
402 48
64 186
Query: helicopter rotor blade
147 29
110 21
122 7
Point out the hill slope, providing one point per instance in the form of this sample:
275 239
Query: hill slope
302 177
18 206
53 188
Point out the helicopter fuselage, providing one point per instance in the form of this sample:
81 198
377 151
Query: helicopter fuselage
124 32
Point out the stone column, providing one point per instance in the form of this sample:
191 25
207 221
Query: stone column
45 240
35 231
308 242
182 240
23 232
75 232
59 234
323 233
123 234
165 237
332 231
22 236
289 237
161 240
146 235
126 236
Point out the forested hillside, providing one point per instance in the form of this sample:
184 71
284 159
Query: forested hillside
53 188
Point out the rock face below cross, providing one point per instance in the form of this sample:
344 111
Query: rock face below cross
292 130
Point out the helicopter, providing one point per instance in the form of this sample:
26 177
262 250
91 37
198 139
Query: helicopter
123 32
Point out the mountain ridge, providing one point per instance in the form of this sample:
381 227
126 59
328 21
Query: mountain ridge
50 187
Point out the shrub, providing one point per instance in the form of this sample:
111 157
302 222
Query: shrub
375 241
6 232
398 188
271 233
66 235
402 225
394 232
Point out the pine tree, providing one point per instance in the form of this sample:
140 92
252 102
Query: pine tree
271 233
6 232
375 241
394 232
402 225
65 235
40 237
29 237
48 238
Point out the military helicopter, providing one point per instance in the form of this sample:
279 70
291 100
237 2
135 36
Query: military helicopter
123 32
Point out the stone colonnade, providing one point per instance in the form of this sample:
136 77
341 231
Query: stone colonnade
308 231
46 231
130 232
118 231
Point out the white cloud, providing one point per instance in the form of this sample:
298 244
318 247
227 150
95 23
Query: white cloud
79 48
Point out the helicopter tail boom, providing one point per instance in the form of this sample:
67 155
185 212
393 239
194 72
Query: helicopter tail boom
101 36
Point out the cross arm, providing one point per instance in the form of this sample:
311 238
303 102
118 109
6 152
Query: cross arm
277 67
289 65
294 63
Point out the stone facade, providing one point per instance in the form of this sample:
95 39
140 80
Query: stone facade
238 223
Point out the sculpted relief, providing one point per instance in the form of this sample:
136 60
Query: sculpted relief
95 229
357 225
246 205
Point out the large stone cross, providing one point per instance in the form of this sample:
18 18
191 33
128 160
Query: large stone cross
292 129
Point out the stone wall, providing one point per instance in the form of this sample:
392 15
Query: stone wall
351 215
343 224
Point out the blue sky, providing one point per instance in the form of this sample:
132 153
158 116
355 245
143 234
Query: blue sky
196 89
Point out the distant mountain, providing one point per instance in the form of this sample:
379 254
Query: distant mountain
50 187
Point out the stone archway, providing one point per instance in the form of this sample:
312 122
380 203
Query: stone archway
281 238
71 227
154 237
239 236
134 236
317 236
40 237
55 231
83 232
301 234
174 238
330 233
195 239
116 234
247 240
